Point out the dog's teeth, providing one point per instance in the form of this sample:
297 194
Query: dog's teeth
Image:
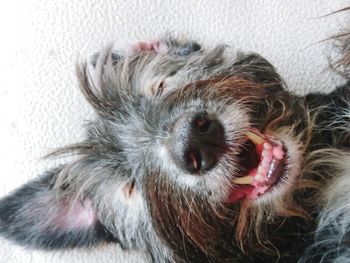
261 169
244 180
278 153
260 178
267 146
266 163
254 138
267 154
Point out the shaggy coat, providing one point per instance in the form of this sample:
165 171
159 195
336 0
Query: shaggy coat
140 177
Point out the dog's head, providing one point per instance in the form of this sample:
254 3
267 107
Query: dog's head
193 155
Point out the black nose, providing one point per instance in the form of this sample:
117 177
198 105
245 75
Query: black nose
197 142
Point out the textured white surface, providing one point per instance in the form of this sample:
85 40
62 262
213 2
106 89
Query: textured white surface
41 108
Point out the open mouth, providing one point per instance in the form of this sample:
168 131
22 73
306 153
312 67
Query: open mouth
263 162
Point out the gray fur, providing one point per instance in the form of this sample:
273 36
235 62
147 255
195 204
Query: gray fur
123 161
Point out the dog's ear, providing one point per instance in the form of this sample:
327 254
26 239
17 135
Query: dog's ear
39 215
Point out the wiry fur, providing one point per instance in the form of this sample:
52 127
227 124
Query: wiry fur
124 186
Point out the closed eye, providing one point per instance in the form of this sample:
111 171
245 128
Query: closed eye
160 89
157 89
129 189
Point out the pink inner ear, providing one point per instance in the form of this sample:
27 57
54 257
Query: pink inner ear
75 216
153 45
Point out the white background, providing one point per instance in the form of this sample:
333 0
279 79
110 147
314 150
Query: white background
41 40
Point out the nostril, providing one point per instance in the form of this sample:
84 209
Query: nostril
204 127
194 162
202 123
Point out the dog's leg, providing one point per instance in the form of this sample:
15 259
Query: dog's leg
332 237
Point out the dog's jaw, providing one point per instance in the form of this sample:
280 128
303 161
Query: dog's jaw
263 163
219 186
294 153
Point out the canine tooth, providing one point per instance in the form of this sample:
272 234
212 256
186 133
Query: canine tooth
254 138
243 180
260 178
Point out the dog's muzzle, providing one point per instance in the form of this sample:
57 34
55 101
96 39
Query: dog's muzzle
198 141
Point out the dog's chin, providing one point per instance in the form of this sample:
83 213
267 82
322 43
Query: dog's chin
269 167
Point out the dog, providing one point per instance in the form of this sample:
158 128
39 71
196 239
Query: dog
196 155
